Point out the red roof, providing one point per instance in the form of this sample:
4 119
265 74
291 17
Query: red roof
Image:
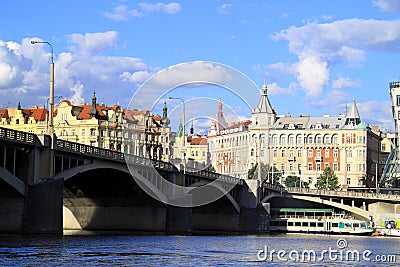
84 115
39 114
3 113
198 141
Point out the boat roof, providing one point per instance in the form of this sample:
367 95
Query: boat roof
300 210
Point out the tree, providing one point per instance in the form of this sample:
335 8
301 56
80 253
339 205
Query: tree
266 173
294 181
328 180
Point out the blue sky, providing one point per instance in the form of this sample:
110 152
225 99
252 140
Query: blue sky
316 56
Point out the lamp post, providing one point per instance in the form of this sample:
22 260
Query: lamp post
51 98
183 143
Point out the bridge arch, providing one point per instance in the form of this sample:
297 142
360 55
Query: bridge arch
69 173
13 181
220 189
354 210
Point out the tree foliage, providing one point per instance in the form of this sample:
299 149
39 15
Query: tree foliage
267 173
294 181
328 180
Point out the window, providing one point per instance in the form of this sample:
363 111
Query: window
348 180
335 153
310 153
327 150
299 140
318 153
335 166
310 180
318 166
335 139
309 140
299 153
64 117
349 153
348 167
299 167
290 166
398 100
283 153
319 139
92 131
326 141
326 165
275 153
283 167
291 153
252 152
291 140
83 132
310 167
73 132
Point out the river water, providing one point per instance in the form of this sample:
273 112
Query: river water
160 250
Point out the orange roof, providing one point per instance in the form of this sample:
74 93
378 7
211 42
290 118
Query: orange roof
198 141
39 114
67 101
4 113
84 115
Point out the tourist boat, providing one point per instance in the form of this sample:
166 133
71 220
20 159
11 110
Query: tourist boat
389 227
321 221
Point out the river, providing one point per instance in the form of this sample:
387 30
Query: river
161 250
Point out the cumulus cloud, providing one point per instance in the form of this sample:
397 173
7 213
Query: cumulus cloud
388 5
92 43
319 47
345 82
224 8
368 111
24 70
125 13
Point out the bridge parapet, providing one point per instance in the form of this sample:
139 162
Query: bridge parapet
348 194
17 136
214 176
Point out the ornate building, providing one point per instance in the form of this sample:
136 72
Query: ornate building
303 146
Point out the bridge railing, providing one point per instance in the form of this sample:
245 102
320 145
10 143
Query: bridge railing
213 175
17 136
351 194
103 153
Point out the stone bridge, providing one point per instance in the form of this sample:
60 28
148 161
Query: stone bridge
50 187
360 204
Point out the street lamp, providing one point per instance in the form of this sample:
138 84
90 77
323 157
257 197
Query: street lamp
183 143
51 124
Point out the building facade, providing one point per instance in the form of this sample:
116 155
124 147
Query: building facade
302 146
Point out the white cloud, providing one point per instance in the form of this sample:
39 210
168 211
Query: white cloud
368 111
388 5
24 70
170 8
125 13
345 82
135 77
92 43
321 46
191 72
224 8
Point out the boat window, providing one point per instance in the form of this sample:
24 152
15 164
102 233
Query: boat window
282 223
290 223
305 224
320 224
297 223
335 225
356 225
347 225
363 225
313 224
274 223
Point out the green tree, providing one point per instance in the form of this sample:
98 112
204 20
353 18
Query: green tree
266 173
294 181
328 180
